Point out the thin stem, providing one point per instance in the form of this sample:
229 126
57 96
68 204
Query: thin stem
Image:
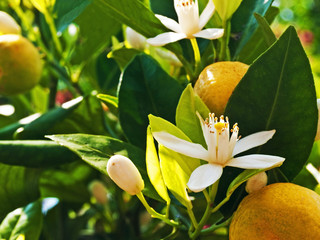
207 196
53 31
155 214
192 217
196 53
202 222
224 50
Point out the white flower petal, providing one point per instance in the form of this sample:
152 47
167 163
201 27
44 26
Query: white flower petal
184 147
206 14
165 38
210 33
255 161
204 127
169 23
204 176
252 141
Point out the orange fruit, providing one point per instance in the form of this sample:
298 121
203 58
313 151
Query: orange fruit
20 64
280 211
217 82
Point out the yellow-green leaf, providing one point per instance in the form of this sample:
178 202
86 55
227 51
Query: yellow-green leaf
153 168
174 176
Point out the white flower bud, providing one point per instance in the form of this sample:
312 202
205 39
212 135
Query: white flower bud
256 182
125 174
135 40
98 191
8 25
318 130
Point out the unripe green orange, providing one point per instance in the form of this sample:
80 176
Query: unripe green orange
20 64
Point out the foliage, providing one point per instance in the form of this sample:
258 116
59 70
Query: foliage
99 96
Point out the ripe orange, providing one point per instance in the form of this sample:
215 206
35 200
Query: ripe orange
20 64
280 211
217 82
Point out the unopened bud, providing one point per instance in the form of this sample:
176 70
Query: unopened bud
98 191
256 182
125 174
318 130
8 25
135 40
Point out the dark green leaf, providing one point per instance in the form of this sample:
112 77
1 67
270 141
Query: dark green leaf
267 32
96 151
27 222
35 153
96 29
40 126
69 183
19 186
278 93
243 23
257 44
123 56
145 89
67 11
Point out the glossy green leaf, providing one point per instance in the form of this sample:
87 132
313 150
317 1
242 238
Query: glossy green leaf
153 168
123 56
267 32
27 221
186 117
174 176
243 23
19 186
96 31
108 99
96 151
257 43
158 124
145 89
278 93
40 126
67 11
35 153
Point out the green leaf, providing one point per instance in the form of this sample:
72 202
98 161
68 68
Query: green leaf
153 168
19 186
35 153
67 11
96 151
96 29
158 125
68 184
40 126
267 32
186 117
257 43
174 176
243 23
27 221
145 89
278 93
123 56
108 99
